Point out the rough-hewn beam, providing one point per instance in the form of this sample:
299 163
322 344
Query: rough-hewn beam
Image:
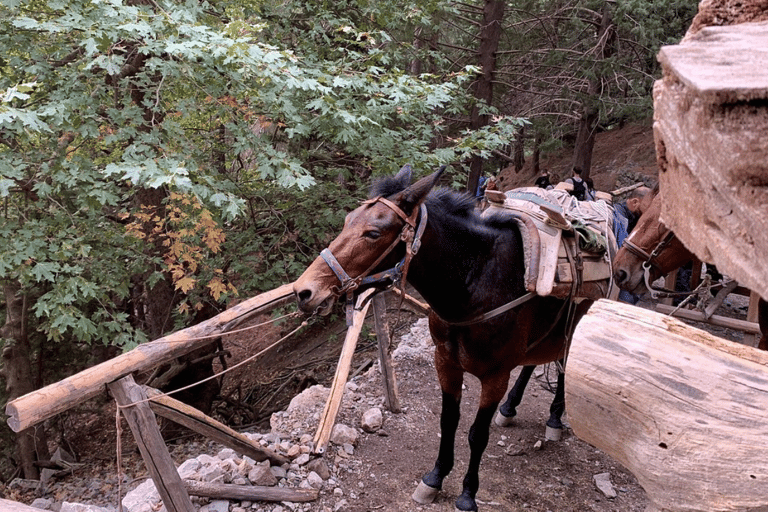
40 405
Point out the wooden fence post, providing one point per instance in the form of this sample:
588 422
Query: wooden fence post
133 402
381 325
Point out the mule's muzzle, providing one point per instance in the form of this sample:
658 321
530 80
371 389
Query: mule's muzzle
311 302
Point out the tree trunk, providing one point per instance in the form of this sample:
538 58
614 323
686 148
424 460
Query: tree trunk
519 151
585 137
19 379
490 34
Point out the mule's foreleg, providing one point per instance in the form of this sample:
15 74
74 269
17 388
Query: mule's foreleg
451 378
508 409
492 392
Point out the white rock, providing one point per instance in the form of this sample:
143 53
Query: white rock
342 434
189 468
314 480
227 453
603 483
372 419
42 503
143 497
79 507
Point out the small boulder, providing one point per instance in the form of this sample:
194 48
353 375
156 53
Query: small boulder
372 419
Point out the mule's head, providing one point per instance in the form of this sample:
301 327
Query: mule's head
369 232
651 245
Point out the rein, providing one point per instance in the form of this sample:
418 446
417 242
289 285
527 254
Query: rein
411 234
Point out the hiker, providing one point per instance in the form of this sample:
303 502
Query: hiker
579 186
543 181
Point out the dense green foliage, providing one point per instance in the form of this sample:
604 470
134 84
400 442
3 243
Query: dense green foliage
216 147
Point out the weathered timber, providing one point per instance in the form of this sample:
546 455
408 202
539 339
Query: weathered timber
196 420
686 412
710 125
381 326
40 405
133 404
328 418
752 316
15 506
249 492
698 316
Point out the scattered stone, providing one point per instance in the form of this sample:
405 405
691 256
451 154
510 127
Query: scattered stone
79 507
320 467
372 419
314 480
216 506
342 434
537 445
144 497
42 503
262 475
603 483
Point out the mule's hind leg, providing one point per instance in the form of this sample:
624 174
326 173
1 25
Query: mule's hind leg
451 379
492 392
507 411
554 424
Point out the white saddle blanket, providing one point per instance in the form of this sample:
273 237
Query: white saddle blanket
554 261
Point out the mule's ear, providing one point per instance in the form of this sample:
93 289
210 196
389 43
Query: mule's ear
403 176
414 195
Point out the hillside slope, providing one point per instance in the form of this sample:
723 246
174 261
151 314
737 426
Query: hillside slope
621 157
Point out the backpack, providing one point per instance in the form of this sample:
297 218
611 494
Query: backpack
579 190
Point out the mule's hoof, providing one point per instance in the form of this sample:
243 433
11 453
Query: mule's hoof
424 494
553 434
503 421
465 503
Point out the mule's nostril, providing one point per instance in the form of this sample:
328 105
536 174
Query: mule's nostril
621 276
304 296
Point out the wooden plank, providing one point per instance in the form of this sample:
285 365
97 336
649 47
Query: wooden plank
710 121
381 326
699 316
328 418
683 410
43 403
133 404
250 492
752 316
193 419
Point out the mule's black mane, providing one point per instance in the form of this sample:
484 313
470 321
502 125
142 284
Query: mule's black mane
449 205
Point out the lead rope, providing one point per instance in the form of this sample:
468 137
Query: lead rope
118 408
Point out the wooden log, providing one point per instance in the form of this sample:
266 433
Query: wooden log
710 121
249 492
133 402
193 419
686 412
43 403
328 418
15 506
381 325
752 316
698 316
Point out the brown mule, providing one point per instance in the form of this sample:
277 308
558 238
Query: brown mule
652 250
464 266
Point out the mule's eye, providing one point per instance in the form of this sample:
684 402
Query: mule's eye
372 234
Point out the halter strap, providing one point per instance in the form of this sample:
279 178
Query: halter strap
410 234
